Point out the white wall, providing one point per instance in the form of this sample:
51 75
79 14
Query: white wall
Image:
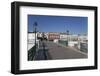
63 37
5 38
31 40
31 35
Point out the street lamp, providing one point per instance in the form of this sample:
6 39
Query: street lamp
34 31
67 34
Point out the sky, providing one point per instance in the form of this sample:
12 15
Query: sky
47 23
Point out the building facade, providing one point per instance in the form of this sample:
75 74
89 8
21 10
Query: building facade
53 35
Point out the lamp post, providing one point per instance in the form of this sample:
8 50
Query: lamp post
34 31
67 34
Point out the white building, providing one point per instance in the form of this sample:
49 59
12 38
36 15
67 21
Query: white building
72 40
46 35
63 36
40 35
83 38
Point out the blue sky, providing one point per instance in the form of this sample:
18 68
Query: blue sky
46 23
